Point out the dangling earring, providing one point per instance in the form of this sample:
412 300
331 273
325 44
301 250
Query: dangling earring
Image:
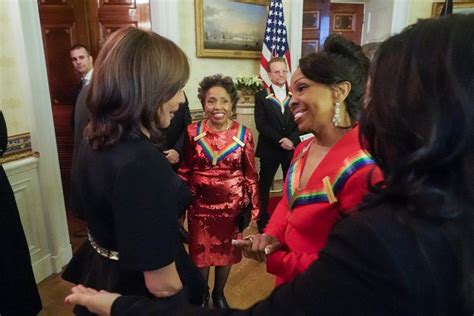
336 119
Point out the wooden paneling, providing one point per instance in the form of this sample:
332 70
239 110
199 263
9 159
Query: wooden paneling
112 15
63 24
316 15
68 22
347 20
57 42
55 2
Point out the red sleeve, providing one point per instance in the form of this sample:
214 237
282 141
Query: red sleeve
356 187
250 173
276 226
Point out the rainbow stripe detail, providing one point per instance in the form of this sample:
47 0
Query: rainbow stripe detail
318 195
281 105
216 157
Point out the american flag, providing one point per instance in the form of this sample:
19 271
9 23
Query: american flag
275 40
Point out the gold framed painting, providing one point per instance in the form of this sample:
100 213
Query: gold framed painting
309 46
229 28
343 22
458 7
311 20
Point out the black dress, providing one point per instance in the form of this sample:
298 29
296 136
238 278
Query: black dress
18 292
130 197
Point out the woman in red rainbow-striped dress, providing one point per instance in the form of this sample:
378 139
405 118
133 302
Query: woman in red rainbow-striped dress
219 167
329 173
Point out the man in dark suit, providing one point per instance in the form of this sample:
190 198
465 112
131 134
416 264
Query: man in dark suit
278 132
83 64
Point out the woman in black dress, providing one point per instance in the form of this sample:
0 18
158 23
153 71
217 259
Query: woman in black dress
18 291
124 184
409 251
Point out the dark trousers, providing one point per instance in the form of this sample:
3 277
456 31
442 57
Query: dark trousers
268 169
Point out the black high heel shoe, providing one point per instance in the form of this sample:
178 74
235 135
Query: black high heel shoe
205 300
219 301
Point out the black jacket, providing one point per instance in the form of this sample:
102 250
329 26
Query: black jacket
272 126
373 264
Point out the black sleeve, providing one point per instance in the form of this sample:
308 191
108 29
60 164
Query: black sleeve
261 120
145 206
3 135
178 146
353 276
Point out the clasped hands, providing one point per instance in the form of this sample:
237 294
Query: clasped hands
257 246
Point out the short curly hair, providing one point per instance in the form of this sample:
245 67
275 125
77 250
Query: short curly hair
218 80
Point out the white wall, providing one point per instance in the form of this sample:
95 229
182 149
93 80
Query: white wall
180 15
36 181
420 9
12 99
378 20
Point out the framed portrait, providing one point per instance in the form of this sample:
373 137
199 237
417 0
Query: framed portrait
230 28
309 46
311 20
458 7
343 22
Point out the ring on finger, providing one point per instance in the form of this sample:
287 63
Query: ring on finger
249 237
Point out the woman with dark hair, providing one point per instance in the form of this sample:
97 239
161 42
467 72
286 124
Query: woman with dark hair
219 167
330 172
126 187
409 249
18 292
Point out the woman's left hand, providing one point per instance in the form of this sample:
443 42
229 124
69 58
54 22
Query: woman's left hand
257 246
98 302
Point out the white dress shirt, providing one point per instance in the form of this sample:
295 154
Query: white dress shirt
280 94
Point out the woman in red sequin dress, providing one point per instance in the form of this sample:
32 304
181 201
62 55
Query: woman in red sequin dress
219 166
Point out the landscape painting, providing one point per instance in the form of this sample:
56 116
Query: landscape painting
230 29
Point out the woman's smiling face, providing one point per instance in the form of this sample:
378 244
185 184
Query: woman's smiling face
218 106
312 103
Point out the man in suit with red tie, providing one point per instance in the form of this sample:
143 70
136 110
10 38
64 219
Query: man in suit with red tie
278 133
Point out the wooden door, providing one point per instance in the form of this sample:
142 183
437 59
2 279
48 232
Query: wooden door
347 20
315 25
88 22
